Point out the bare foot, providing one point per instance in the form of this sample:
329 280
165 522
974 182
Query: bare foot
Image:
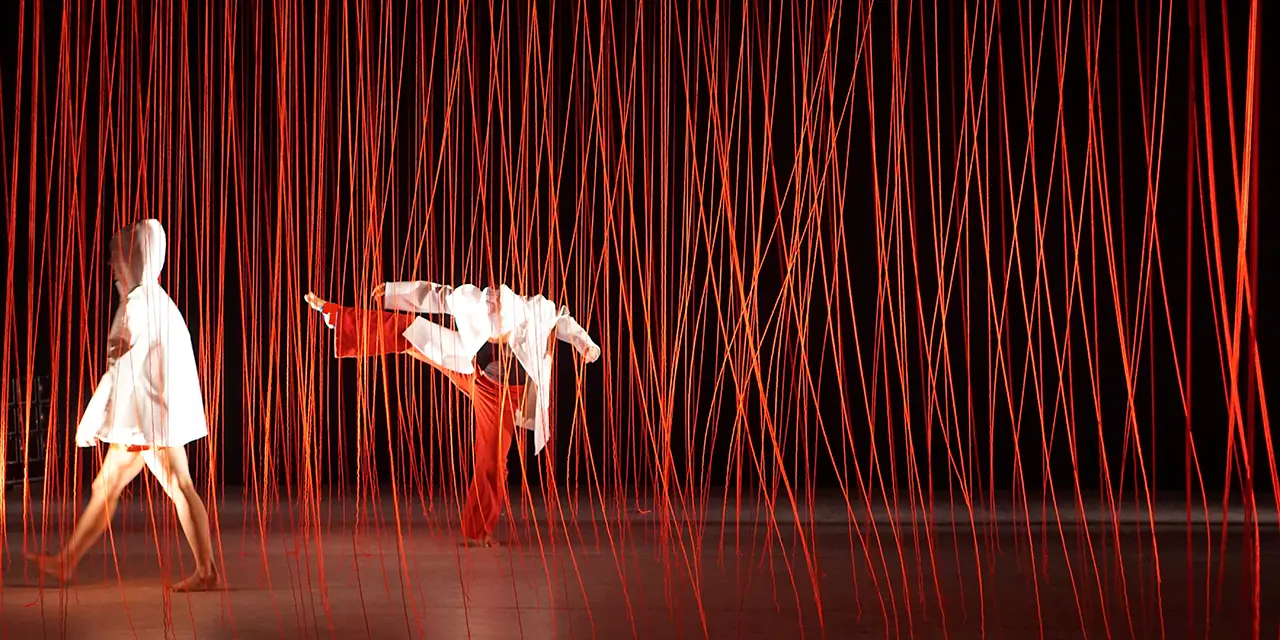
198 581
484 542
54 566
315 301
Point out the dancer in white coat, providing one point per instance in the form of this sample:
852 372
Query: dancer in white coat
500 354
147 406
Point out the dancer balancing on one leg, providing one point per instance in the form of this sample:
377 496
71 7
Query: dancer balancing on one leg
147 406
500 355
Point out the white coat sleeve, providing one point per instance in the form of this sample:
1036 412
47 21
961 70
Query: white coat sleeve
95 415
125 336
568 330
128 346
416 297
132 337
118 339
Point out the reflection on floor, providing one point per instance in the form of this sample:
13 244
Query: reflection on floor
350 569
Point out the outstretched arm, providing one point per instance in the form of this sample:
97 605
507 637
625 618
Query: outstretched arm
568 330
414 297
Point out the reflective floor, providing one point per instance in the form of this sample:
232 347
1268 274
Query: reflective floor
351 570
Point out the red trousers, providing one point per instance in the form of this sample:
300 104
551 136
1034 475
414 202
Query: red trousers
362 332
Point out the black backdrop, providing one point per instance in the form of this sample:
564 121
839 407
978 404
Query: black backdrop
653 167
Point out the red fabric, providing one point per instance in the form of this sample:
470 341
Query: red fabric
364 332
495 409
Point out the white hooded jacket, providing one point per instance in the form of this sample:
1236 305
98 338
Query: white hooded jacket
530 324
150 394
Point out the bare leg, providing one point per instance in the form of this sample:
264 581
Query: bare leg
119 468
169 464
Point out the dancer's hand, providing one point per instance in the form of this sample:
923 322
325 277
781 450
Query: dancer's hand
591 354
86 440
379 292
116 347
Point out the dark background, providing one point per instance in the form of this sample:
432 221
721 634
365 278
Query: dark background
578 158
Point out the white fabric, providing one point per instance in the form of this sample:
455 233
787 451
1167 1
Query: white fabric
490 313
150 394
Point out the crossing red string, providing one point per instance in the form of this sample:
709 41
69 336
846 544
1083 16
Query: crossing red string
866 246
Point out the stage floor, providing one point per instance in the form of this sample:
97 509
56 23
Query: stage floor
351 569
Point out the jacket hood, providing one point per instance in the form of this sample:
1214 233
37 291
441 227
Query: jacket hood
140 248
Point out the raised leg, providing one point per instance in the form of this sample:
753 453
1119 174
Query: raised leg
119 468
169 464
364 332
359 333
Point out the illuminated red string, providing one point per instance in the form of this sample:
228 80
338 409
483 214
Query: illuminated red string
698 184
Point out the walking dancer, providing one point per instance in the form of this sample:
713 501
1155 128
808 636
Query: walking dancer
146 408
